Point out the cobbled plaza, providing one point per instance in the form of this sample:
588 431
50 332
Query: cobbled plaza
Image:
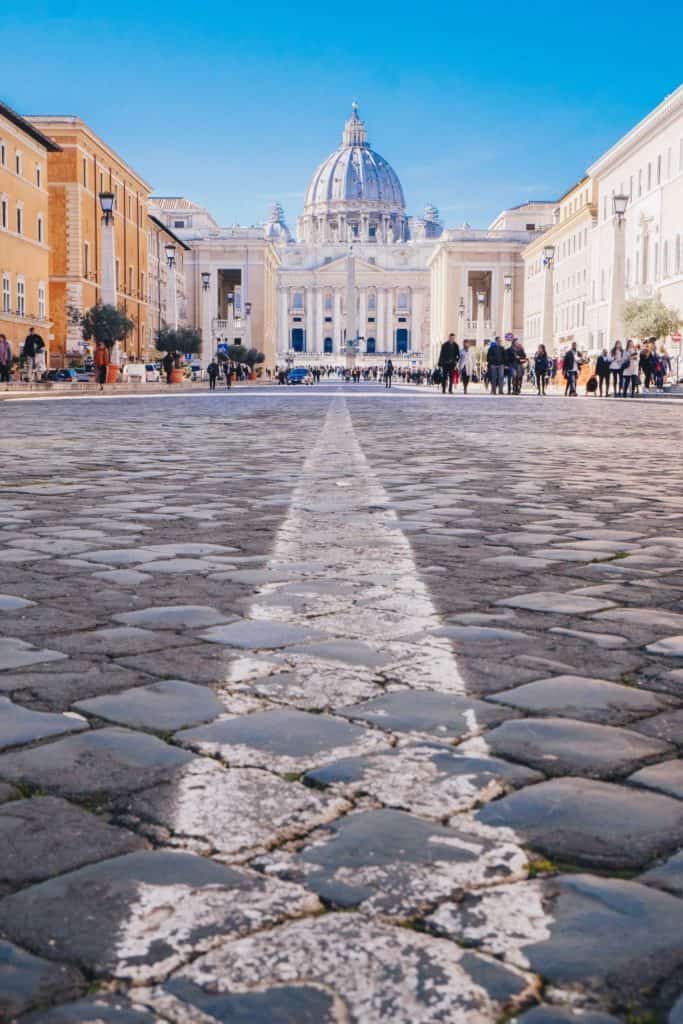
336 706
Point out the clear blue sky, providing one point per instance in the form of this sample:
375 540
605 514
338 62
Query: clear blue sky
477 106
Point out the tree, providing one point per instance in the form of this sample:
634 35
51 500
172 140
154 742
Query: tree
178 341
107 324
650 318
252 357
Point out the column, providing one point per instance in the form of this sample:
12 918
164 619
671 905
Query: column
506 319
108 274
337 324
481 302
309 318
319 318
617 292
205 305
416 317
350 304
548 312
363 316
381 332
171 296
282 321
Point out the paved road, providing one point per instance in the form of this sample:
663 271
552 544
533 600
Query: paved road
328 705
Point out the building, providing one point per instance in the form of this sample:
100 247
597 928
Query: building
646 257
24 229
166 297
80 168
362 272
557 274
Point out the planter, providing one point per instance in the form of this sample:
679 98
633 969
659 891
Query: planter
177 376
112 373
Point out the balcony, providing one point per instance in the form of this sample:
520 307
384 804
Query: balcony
471 326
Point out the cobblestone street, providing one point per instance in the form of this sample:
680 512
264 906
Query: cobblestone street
339 706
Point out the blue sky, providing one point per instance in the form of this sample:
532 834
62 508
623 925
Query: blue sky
476 106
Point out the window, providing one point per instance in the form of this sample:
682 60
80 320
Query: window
298 343
297 300
130 280
665 260
21 297
38 175
6 293
403 300
101 182
86 259
17 163
41 301
3 154
178 223
659 170
649 177
4 212
85 173
117 274
142 285
20 216
327 346
677 258
370 346
130 208
531 227
640 182
328 301
40 227
401 340
372 300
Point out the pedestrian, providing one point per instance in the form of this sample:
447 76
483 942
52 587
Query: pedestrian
212 370
101 362
602 369
616 367
449 358
229 369
168 363
518 363
495 361
646 362
541 368
33 345
631 370
570 368
5 359
388 373
468 365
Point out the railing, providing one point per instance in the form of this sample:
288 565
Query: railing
471 325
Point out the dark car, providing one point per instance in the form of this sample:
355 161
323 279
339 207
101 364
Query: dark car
299 375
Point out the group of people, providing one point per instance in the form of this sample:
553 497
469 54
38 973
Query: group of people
33 356
622 367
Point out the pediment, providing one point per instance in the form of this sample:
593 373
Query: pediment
362 266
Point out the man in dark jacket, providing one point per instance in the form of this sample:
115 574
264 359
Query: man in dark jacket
449 357
519 361
602 369
495 361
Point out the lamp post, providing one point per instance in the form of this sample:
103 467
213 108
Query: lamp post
507 304
461 321
207 333
618 282
171 292
548 298
481 299
108 282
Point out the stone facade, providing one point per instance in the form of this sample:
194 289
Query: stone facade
24 229
166 297
82 168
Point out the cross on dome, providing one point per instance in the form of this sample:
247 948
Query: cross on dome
354 129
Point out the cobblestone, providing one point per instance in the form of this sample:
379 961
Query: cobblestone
419 677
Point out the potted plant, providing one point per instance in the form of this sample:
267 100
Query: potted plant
253 358
109 325
177 342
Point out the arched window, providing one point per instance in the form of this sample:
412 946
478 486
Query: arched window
370 346
327 346
401 340
298 343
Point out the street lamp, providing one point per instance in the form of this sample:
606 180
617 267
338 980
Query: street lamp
170 254
247 308
206 280
107 205
548 255
507 281
619 204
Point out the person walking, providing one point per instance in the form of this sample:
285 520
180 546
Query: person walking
570 368
101 361
495 362
5 359
388 373
518 362
168 363
468 365
33 346
449 357
646 362
212 371
229 369
631 370
602 369
541 368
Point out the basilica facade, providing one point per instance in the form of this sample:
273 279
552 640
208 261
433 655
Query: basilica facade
358 273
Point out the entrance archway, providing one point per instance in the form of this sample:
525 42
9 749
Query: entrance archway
401 340
370 347
298 343
327 346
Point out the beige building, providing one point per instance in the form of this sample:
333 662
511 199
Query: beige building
80 168
24 229
166 296
557 272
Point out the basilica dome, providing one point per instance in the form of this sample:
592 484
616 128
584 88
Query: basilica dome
354 193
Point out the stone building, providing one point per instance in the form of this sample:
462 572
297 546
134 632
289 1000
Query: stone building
24 229
166 295
80 168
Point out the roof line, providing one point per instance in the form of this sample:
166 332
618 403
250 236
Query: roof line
30 129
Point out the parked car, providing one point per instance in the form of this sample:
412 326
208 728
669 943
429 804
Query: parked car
61 376
152 373
299 375
133 373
